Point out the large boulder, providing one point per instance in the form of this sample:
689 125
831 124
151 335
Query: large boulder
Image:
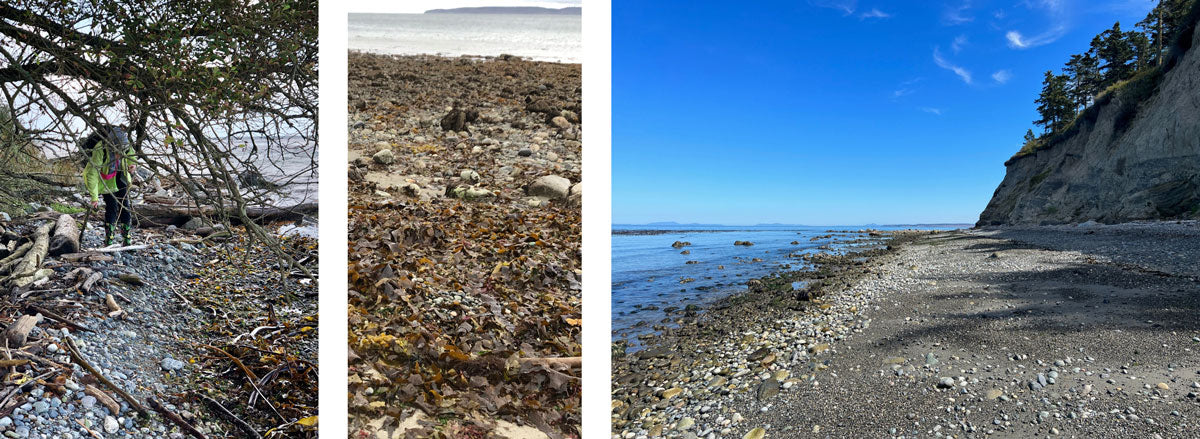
384 157
550 186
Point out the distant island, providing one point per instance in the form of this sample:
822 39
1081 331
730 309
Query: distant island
509 10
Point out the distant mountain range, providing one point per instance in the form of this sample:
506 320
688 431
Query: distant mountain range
509 10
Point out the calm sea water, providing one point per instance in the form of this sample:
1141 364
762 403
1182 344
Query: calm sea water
646 270
540 37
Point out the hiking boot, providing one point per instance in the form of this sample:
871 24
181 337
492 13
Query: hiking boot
109 231
126 235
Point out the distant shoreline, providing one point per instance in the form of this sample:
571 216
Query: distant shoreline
524 10
479 58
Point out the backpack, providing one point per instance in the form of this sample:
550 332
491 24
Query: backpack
111 135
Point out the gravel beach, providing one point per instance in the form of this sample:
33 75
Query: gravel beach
1071 331
185 296
465 212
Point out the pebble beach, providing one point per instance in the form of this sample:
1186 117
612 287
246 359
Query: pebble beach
1073 331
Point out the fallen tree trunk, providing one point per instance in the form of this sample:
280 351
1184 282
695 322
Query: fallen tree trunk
66 236
163 215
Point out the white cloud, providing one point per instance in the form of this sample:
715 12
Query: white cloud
1002 76
1018 41
941 62
959 43
936 111
846 6
874 13
957 15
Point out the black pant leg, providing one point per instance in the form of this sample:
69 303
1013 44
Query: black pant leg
111 209
125 208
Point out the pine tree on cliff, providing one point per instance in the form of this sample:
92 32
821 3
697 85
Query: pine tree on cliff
1162 25
1116 51
1029 137
1083 72
1054 105
1142 53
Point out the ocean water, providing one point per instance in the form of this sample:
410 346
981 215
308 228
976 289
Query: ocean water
555 38
646 270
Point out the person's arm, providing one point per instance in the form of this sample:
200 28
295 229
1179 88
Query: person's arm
129 161
91 180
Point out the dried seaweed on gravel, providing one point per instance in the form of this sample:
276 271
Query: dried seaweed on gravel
447 295
264 316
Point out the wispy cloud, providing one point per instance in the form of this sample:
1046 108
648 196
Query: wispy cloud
943 63
906 88
959 43
1002 76
1053 6
874 13
846 6
956 15
1018 41
930 110
1055 11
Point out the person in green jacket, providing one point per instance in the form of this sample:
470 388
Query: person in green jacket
110 162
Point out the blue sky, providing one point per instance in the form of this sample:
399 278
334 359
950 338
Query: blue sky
829 112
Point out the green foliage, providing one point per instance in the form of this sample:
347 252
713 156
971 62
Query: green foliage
1117 52
1131 94
1084 73
1054 104
1134 63
63 208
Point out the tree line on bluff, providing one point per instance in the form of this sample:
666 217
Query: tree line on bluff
1114 56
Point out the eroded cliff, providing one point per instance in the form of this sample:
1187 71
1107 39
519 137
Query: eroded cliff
1134 156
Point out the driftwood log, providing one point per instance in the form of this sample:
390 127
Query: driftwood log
25 271
175 418
18 332
66 236
103 398
15 255
164 215
553 361
92 256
